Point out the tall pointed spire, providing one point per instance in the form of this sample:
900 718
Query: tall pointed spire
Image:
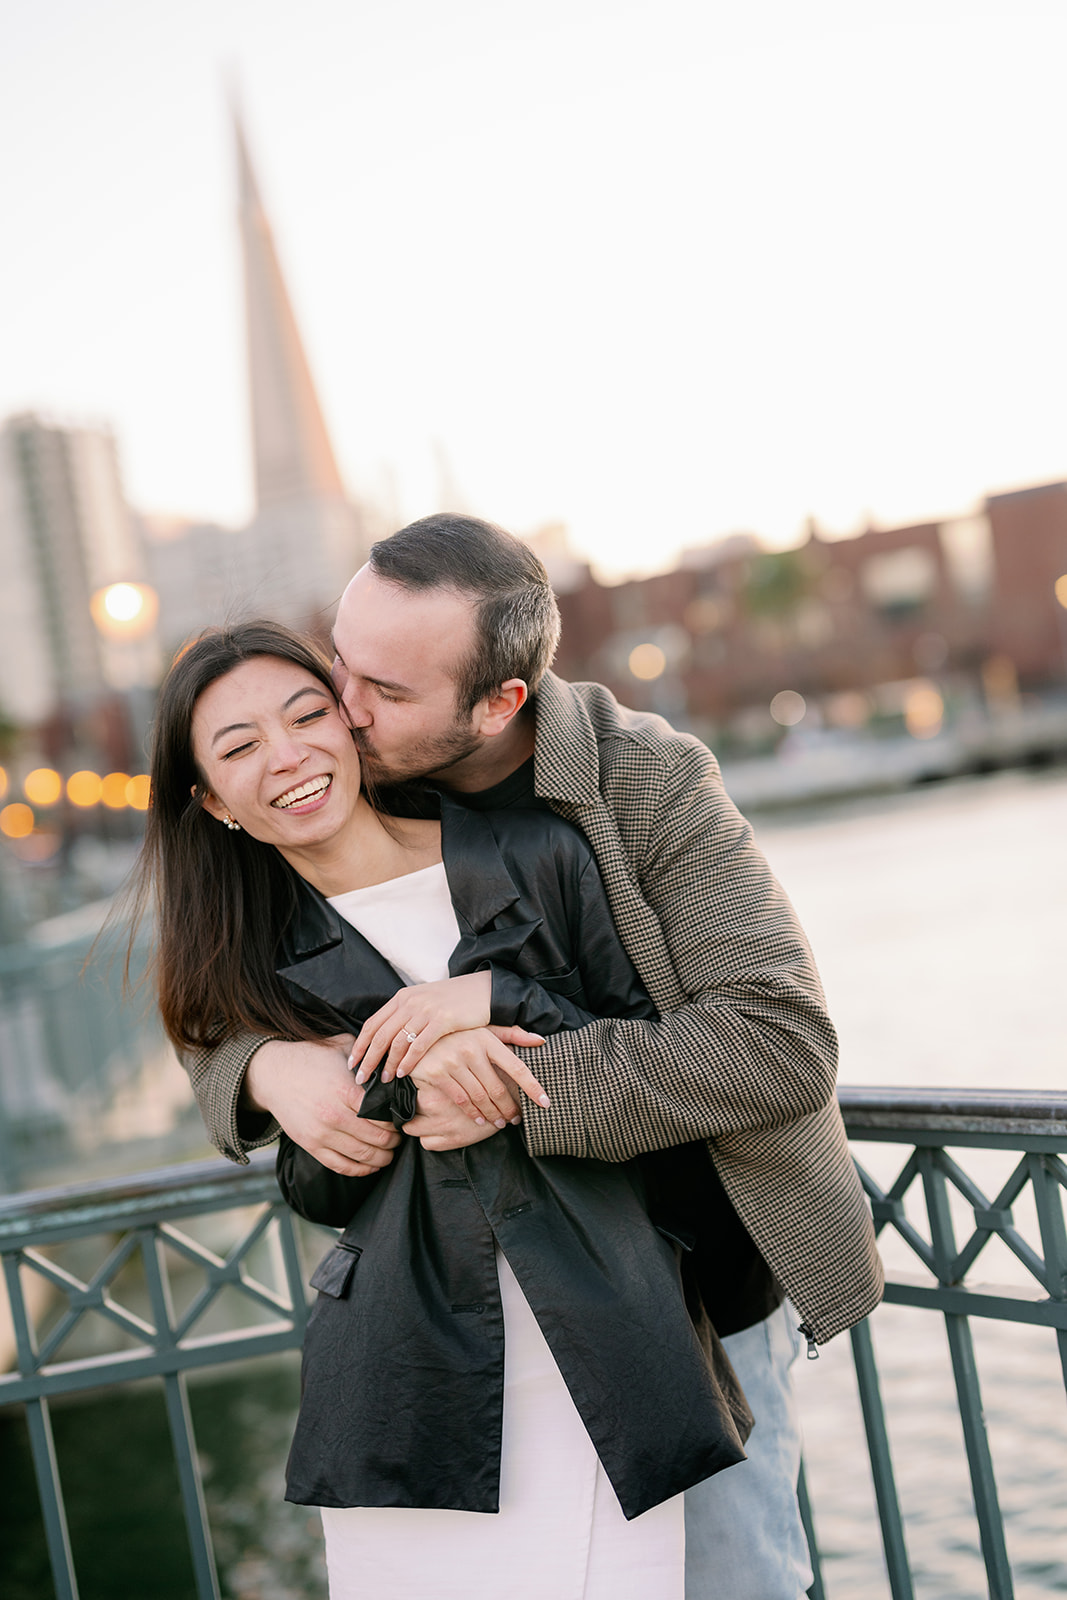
293 456
306 538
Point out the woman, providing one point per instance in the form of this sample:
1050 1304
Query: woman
493 1333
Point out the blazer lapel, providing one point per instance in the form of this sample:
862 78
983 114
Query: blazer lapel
482 891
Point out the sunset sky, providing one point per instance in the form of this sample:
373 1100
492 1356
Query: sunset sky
659 269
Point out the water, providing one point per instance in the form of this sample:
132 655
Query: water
937 920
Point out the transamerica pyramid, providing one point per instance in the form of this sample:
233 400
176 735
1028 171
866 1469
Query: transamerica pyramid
306 538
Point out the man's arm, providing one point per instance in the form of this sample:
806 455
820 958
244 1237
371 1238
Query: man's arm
249 1089
743 1041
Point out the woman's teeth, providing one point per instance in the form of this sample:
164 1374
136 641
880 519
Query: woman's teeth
306 791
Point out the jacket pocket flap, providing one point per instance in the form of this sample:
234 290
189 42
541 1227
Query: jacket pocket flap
333 1275
567 984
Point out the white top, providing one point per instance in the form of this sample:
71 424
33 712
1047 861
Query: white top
408 920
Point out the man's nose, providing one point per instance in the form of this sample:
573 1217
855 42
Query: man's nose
355 707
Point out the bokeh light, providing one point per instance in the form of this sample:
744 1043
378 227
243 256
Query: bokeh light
84 788
3 782
125 610
1060 588
16 821
42 786
647 661
138 791
113 790
788 708
924 711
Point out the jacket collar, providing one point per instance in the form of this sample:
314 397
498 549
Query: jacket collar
566 755
478 880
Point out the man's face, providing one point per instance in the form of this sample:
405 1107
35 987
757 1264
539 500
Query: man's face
397 652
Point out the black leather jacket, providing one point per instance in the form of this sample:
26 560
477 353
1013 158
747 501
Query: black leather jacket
403 1362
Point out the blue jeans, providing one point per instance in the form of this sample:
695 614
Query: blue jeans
744 1539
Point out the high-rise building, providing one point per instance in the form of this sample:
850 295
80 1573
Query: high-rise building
306 537
66 535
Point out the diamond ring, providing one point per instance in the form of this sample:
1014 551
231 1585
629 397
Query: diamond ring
409 1036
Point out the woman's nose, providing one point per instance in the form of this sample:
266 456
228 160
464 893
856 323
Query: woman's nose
286 753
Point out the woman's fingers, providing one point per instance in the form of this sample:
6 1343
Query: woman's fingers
520 1075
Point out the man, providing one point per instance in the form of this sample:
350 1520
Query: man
443 643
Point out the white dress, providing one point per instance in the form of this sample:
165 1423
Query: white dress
560 1533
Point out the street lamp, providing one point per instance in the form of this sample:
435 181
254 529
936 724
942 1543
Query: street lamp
125 610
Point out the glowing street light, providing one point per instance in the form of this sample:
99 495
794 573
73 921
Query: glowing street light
42 786
125 610
85 788
647 662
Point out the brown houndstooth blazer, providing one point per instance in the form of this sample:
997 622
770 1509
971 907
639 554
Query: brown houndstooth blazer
744 1054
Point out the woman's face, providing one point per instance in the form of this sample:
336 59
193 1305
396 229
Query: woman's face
275 754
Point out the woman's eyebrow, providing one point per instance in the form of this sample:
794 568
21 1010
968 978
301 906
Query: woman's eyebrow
231 727
239 727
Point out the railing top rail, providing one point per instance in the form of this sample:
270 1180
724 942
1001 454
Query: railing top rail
188 1186
992 1111
196 1184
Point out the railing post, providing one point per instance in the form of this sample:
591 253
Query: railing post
181 1425
968 1389
885 1488
817 1590
42 1444
1045 1174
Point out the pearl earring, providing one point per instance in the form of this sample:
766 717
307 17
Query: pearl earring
233 825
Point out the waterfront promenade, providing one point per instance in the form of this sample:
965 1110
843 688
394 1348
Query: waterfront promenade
937 919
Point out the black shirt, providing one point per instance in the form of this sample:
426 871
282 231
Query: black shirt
737 1286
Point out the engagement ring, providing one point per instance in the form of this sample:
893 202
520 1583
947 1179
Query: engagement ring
409 1036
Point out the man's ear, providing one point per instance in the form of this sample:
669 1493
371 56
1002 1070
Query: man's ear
496 711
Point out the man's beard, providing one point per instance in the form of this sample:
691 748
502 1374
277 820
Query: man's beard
427 757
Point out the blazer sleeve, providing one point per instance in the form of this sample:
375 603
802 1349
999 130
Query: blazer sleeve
217 1075
744 1041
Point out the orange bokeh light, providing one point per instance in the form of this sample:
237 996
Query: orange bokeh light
84 788
138 791
42 786
16 821
113 790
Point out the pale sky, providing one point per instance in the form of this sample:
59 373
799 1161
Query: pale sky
660 269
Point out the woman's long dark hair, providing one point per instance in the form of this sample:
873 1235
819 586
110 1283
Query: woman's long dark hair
221 898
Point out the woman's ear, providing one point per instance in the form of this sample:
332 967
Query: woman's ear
214 806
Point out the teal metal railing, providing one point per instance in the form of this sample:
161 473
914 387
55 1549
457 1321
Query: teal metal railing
148 1222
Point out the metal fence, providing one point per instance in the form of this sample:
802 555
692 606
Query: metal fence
138 1222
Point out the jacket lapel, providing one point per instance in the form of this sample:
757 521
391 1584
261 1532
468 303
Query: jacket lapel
325 956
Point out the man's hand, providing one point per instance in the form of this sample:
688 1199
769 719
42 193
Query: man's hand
473 1070
440 1125
310 1091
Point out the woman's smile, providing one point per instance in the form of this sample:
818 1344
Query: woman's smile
306 796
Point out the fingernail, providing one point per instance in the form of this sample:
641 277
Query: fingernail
400 1072
480 1121
516 1122
500 1123
539 1037
543 1100
360 1075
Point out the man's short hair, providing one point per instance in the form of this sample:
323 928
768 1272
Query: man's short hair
516 616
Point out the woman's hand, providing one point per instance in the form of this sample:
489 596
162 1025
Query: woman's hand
476 1071
401 1032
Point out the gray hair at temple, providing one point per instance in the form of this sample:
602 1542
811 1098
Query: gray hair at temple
516 615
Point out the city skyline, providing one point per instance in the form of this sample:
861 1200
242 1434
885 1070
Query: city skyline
660 275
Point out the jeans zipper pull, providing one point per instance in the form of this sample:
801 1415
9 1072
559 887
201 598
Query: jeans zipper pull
808 1332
